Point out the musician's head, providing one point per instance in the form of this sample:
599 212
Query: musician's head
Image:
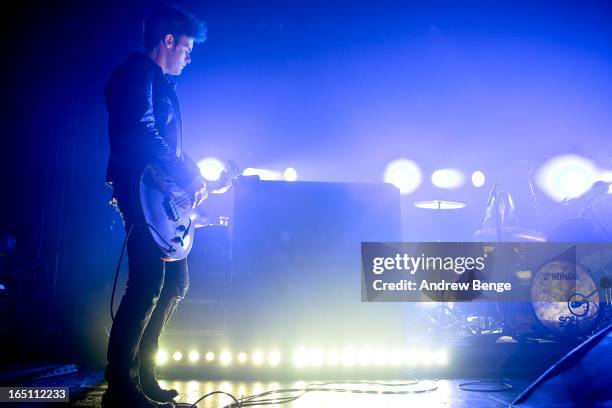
169 35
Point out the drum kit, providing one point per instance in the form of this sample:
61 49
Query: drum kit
586 286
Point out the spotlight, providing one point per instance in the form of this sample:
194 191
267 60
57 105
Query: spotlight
194 356
257 357
177 356
274 358
364 356
290 174
410 357
210 356
300 358
161 357
403 174
379 357
394 358
211 168
263 174
348 357
425 357
566 176
316 357
242 358
478 178
447 178
440 357
333 358
225 358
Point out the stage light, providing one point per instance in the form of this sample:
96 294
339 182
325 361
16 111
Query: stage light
566 176
194 356
316 357
161 357
257 357
300 357
177 356
264 174
440 357
394 358
403 174
274 358
225 358
478 178
364 356
211 168
410 357
290 174
332 358
425 357
447 178
242 358
348 357
379 357
210 356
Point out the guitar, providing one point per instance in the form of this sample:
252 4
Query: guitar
168 211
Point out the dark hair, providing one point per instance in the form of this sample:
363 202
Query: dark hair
172 20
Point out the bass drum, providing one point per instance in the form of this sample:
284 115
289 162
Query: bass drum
565 298
564 302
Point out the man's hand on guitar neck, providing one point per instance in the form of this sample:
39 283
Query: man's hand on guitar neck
197 190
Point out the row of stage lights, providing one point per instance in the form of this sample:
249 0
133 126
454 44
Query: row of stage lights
404 174
559 177
313 358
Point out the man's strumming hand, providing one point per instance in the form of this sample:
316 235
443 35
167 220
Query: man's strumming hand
197 190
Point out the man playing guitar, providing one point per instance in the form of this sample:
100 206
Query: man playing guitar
145 128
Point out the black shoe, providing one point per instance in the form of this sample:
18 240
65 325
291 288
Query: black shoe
130 398
152 390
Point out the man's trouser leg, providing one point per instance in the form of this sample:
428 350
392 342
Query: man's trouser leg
175 287
145 282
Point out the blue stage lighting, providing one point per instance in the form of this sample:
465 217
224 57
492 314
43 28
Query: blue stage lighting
447 178
403 174
478 178
290 174
566 176
211 168
264 174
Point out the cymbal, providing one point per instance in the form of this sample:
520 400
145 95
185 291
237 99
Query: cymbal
439 205
509 234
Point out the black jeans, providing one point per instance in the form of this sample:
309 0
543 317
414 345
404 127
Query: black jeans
153 291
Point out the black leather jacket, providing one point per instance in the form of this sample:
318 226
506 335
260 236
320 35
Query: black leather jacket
144 123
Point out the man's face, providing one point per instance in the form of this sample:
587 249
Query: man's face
179 54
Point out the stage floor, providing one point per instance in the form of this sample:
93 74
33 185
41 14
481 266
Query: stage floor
424 393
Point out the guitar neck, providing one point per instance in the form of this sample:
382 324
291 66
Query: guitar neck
215 185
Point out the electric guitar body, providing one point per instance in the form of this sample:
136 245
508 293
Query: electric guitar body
168 210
